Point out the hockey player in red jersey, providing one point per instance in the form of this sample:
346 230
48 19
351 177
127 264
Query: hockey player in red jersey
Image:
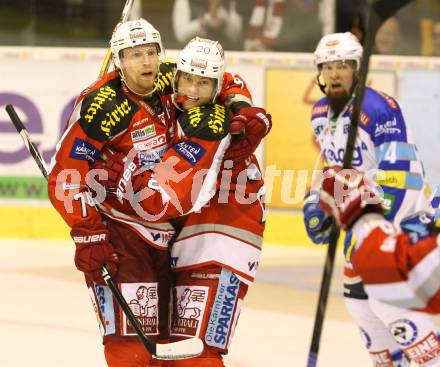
398 268
209 283
216 254
126 109
117 111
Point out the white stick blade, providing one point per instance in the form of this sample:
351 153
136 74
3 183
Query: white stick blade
183 349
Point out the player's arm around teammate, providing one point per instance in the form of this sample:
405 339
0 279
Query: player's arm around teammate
121 111
216 254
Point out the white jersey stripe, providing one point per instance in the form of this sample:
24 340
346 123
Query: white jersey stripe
215 247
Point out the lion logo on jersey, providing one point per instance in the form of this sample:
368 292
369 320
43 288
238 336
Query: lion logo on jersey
141 305
186 297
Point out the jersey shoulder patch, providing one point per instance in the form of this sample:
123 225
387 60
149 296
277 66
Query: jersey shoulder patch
389 100
106 111
379 100
164 79
320 108
208 122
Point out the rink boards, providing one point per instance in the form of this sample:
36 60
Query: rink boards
50 79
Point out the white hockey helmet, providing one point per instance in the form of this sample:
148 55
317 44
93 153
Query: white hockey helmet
338 47
203 57
134 33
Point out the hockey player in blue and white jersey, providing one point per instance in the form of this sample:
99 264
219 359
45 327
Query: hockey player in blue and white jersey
385 151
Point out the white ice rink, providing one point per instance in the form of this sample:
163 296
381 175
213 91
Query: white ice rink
46 318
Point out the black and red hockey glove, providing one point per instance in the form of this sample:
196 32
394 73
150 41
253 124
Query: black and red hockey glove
346 195
93 250
251 125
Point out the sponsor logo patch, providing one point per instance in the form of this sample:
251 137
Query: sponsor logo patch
163 80
143 133
114 116
102 301
84 151
363 118
199 63
318 129
404 331
143 301
389 100
388 128
137 123
388 203
190 151
332 43
103 95
70 186
215 117
425 350
150 158
337 157
161 238
382 358
190 304
221 321
173 261
151 143
137 33
253 265
105 112
320 110
218 119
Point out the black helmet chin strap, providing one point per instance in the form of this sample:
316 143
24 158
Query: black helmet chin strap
321 86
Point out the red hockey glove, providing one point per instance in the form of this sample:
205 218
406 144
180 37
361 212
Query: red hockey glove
254 124
114 166
93 250
119 172
346 195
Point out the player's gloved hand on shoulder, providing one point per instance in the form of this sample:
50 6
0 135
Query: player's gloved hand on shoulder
248 127
318 224
93 250
119 170
347 195
113 164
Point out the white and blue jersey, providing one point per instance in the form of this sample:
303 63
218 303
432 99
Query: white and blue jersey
384 143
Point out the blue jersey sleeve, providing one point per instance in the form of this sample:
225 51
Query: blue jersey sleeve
396 154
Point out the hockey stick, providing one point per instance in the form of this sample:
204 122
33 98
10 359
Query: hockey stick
124 16
184 349
378 12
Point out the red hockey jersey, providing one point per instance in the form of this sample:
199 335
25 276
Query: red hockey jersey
107 115
395 270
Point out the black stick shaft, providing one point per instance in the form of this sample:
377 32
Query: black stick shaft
151 347
24 135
